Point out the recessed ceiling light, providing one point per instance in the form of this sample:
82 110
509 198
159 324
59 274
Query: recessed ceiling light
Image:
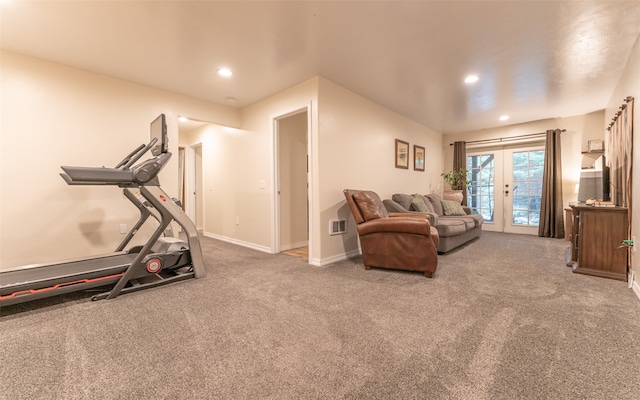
504 118
226 72
471 79
183 119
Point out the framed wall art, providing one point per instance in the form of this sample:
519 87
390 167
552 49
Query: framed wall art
402 154
418 158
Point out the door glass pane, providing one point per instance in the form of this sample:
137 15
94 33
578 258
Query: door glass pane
528 167
480 195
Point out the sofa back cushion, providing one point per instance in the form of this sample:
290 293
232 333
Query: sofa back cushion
436 203
403 199
370 205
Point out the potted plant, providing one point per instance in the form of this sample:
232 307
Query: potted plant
457 179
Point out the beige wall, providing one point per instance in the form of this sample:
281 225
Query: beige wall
55 115
49 113
579 130
355 150
629 85
258 119
350 136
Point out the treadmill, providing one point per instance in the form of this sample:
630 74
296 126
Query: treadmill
161 260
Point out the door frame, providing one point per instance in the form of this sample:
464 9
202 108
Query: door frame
275 176
501 209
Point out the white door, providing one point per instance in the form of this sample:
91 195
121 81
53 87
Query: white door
506 188
523 173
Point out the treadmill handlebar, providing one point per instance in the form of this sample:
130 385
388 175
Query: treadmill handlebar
141 174
135 156
128 157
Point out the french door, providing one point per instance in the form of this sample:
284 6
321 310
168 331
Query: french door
506 188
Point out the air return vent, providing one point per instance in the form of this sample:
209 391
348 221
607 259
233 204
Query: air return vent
337 226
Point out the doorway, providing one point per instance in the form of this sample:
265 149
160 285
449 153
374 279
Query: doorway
198 192
292 183
506 188
191 183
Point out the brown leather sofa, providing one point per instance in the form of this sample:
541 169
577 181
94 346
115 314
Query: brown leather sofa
392 240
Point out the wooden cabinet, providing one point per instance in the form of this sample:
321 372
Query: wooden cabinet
568 220
597 232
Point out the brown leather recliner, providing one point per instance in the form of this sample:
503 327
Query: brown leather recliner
392 240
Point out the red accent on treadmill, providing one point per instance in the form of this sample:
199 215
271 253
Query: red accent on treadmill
154 265
163 198
59 285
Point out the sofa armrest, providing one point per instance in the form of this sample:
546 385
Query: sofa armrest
432 217
416 226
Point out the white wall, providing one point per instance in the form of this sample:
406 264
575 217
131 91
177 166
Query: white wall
629 85
579 130
55 115
355 150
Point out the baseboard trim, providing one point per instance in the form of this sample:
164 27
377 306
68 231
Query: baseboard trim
636 289
315 262
338 257
242 243
286 247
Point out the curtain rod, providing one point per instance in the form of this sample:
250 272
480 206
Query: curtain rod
500 140
627 99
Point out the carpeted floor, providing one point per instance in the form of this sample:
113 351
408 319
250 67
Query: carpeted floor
502 319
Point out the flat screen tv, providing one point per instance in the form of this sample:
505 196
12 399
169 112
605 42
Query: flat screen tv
159 131
594 185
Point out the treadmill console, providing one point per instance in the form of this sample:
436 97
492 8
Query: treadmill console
159 131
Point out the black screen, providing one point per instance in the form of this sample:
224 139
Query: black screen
159 131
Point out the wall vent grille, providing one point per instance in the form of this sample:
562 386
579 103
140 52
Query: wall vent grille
337 226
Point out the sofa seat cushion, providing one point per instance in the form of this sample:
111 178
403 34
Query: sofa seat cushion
450 226
470 223
477 219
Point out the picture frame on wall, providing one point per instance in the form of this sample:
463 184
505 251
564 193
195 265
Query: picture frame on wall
418 158
402 154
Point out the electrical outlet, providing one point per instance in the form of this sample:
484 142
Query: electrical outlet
123 229
237 220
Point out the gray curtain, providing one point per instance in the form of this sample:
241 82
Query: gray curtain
460 161
551 207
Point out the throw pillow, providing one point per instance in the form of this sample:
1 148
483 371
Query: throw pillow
370 205
427 202
418 204
451 207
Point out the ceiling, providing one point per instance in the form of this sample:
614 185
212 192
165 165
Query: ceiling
535 59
